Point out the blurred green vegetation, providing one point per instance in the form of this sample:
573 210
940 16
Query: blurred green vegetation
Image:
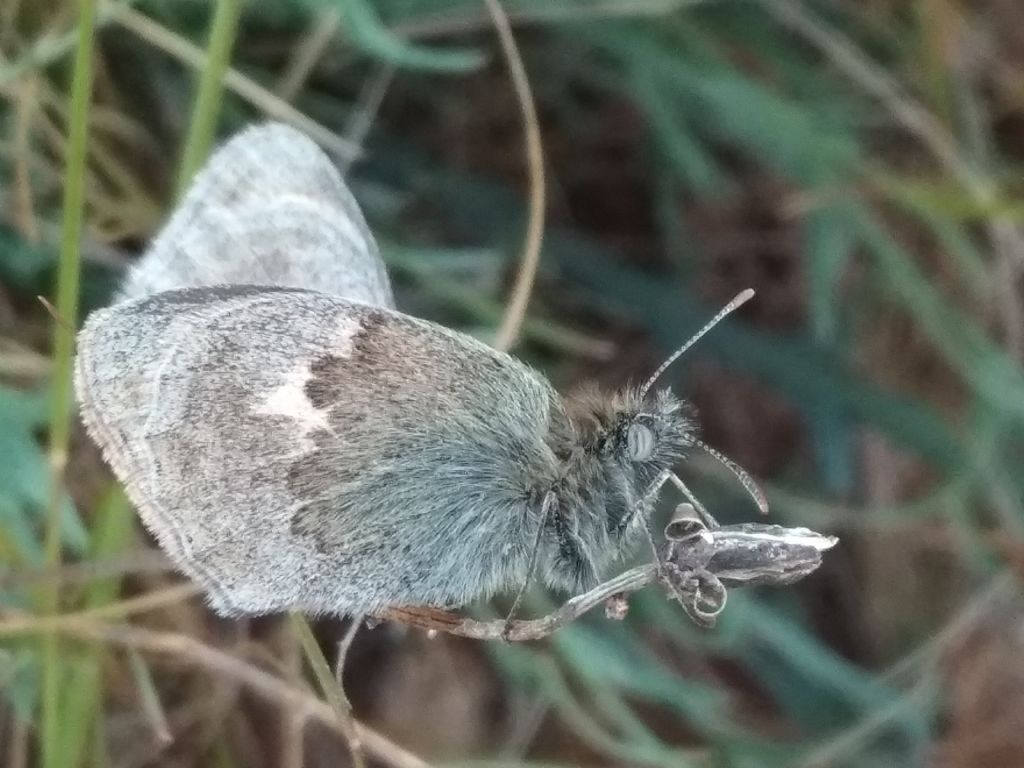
858 164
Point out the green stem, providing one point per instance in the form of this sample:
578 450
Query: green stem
206 111
329 685
63 359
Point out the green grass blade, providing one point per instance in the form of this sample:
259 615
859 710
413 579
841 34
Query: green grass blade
63 351
367 31
206 110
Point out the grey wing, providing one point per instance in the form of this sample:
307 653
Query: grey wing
293 450
269 208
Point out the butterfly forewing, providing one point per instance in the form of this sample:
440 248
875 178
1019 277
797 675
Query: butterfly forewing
291 449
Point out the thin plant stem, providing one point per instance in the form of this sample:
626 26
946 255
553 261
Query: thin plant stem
743 559
24 624
515 313
206 110
246 88
51 48
343 648
321 33
329 686
68 276
182 647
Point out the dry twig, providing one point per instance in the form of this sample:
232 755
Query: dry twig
300 702
700 563
515 313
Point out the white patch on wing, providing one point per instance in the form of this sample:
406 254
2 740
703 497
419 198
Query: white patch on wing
290 400
343 340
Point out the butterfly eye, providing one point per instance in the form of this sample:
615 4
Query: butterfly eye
639 442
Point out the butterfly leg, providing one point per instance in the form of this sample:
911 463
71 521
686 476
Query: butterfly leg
550 499
639 507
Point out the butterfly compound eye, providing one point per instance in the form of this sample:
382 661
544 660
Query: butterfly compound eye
639 442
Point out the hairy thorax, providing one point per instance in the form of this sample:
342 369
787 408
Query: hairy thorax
612 449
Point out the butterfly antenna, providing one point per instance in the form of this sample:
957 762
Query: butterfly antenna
740 299
741 474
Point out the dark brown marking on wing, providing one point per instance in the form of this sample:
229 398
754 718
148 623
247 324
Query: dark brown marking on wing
333 376
321 389
401 391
